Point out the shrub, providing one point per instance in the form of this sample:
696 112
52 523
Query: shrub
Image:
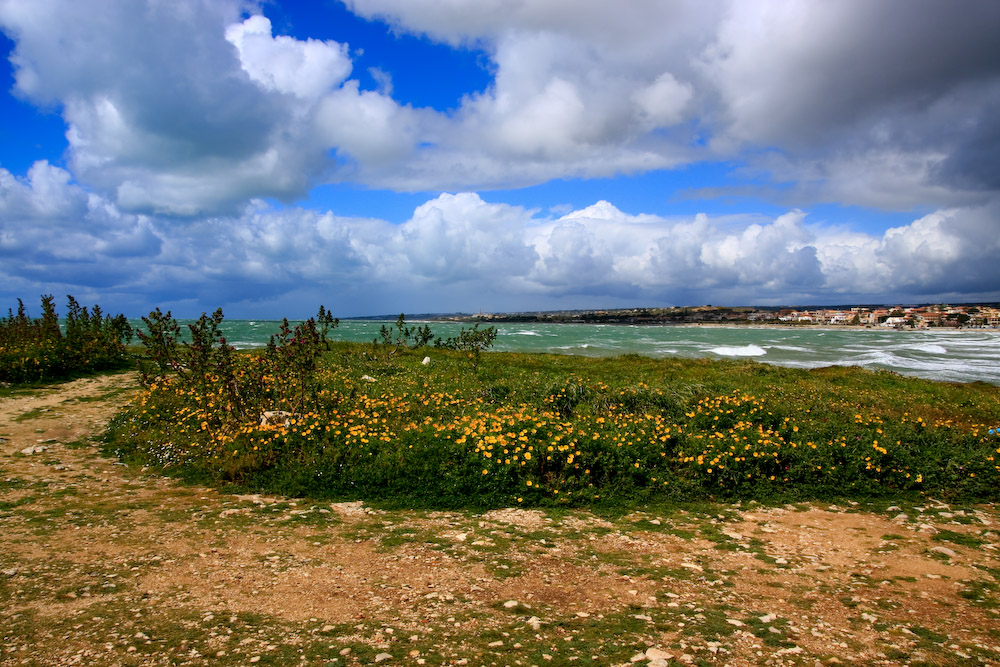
566 431
37 349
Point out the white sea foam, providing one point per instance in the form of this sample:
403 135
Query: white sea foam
791 348
525 332
930 347
739 351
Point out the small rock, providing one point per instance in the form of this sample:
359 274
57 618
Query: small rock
582 614
426 361
275 418
654 653
34 449
9 572
902 516
692 566
657 663
495 644
345 651
944 551
736 622
767 618
638 657
510 604
328 628
367 378
655 522
535 623
382 657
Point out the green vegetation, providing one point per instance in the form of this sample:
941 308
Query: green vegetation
348 421
36 350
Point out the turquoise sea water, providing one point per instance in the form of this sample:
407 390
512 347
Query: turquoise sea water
955 356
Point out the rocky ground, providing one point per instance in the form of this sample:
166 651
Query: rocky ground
104 565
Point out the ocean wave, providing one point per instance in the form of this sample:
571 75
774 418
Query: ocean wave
930 347
791 348
739 351
523 332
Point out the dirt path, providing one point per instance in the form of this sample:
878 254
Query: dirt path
102 565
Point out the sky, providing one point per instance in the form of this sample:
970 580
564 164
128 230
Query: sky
419 156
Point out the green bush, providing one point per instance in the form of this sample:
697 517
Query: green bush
548 430
38 350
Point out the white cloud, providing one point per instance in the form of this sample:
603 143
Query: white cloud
306 69
193 96
469 253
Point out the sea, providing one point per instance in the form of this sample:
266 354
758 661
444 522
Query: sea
964 355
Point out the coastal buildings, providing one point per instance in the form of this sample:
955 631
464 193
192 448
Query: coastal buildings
892 317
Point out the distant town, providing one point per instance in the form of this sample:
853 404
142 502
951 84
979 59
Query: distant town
892 317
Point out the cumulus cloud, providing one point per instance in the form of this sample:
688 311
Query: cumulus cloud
184 117
306 69
187 108
193 107
824 86
460 249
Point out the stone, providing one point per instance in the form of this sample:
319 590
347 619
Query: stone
510 604
426 361
275 418
9 572
382 657
34 449
535 623
654 653
367 378
944 551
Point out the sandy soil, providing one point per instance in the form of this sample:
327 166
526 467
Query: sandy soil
103 565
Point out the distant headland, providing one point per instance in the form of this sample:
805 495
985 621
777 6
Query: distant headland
917 317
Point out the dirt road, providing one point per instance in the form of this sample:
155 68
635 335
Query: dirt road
103 565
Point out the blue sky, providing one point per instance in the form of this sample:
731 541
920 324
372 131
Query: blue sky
379 156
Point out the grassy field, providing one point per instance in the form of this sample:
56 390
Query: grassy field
107 564
546 430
